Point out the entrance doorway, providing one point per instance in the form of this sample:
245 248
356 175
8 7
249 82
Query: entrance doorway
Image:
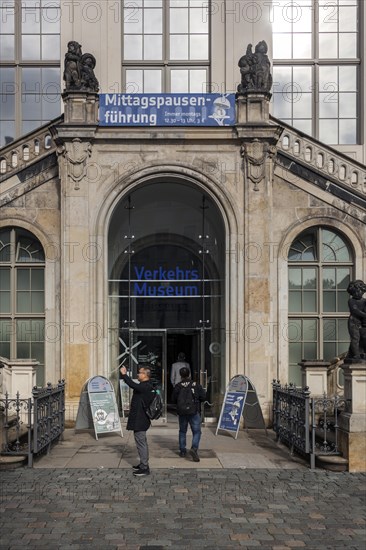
187 342
167 284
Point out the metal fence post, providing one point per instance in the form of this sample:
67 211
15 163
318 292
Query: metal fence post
313 428
291 389
29 428
275 411
306 394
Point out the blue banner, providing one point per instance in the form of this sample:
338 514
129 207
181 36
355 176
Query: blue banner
167 110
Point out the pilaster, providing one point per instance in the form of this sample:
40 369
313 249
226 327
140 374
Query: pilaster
352 421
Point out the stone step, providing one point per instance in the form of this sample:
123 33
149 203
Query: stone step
333 463
12 462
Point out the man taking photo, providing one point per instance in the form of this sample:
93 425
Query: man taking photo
138 421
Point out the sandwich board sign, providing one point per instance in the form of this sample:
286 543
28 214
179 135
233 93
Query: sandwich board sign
236 403
98 407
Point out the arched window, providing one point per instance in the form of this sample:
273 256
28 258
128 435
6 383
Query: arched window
320 269
22 310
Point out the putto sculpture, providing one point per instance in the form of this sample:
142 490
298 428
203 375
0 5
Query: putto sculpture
357 320
255 69
79 69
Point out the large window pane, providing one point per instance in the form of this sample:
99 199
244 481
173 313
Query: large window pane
37 304
152 82
153 21
198 23
134 81
153 47
198 81
347 45
7 47
328 131
31 48
347 132
198 48
51 47
282 46
302 46
179 21
133 47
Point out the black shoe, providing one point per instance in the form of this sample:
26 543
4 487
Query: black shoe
137 467
194 455
142 472
182 453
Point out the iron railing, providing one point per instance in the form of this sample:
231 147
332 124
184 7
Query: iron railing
307 425
32 425
325 412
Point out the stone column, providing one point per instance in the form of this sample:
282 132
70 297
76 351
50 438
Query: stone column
352 421
314 376
74 139
258 139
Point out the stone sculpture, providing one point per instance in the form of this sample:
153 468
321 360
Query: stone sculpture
255 69
79 69
357 320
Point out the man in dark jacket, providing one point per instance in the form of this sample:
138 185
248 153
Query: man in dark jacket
138 421
194 420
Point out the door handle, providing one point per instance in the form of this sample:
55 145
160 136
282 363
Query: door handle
203 378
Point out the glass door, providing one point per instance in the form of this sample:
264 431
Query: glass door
146 348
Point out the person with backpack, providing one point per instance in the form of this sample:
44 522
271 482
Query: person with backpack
188 396
179 364
138 420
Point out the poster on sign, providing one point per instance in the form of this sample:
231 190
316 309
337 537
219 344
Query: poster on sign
240 400
233 405
103 406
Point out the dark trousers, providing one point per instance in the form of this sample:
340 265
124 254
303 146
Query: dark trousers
142 448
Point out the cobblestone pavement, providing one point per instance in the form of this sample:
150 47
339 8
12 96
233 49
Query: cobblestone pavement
202 508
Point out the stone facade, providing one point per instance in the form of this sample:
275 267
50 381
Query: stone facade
269 183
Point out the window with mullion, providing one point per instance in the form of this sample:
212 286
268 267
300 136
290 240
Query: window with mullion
165 46
321 39
29 40
22 294
320 266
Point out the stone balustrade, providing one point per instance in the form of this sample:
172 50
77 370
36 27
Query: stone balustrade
325 160
18 154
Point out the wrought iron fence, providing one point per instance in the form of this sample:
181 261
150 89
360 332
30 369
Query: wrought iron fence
307 425
325 412
32 425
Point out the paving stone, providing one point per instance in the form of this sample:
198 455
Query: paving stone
107 509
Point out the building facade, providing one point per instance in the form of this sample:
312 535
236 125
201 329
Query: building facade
233 244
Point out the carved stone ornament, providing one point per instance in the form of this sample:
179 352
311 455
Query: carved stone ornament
357 322
255 69
76 153
256 166
79 69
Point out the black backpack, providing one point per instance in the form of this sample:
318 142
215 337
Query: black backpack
186 400
155 409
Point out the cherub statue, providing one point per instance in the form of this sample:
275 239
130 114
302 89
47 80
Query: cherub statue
246 63
79 69
357 320
88 78
255 69
263 67
72 70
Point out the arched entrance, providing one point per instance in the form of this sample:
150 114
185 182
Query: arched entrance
166 263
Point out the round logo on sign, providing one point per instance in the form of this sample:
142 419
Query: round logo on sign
215 348
100 416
